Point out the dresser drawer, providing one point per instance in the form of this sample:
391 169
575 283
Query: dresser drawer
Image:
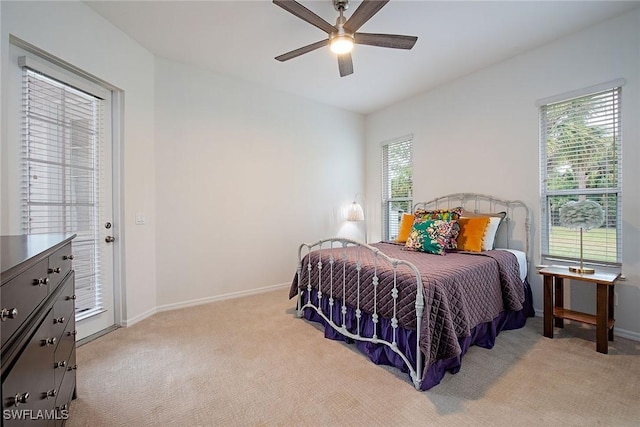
30 383
63 309
20 296
64 349
59 265
67 391
68 382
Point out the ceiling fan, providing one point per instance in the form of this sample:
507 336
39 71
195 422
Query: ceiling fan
343 35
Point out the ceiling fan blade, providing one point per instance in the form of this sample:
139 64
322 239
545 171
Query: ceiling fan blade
394 41
305 14
363 13
345 64
302 50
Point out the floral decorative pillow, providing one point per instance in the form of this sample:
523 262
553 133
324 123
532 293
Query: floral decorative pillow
450 215
429 236
444 214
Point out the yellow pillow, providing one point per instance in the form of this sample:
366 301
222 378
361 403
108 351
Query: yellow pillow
405 227
472 232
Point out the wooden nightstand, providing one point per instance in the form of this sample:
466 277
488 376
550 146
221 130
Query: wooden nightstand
555 313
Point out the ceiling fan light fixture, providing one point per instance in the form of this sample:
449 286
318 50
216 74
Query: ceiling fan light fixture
343 35
341 44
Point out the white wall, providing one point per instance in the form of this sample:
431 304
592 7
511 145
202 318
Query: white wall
487 125
244 175
74 33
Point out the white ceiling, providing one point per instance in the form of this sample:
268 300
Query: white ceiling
240 38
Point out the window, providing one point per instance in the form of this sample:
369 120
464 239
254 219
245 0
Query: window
61 192
581 160
397 185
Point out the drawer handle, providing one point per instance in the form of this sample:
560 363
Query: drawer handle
54 270
71 297
49 341
66 257
58 320
61 364
6 313
51 393
70 333
72 368
41 282
21 398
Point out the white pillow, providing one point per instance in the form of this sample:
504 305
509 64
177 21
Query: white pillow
490 235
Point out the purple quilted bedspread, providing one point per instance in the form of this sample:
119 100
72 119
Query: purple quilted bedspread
461 290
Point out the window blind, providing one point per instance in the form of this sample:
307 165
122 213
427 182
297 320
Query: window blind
397 188
62 130
582 160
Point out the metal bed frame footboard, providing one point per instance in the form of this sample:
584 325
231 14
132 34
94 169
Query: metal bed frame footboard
337 291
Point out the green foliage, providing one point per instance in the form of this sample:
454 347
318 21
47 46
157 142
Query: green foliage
599 244
580 151
581 154
400 170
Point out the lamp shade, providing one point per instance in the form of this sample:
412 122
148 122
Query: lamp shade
355 212
585 214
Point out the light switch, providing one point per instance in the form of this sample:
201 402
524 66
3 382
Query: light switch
140 218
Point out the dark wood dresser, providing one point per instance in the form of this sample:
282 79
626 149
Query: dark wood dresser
37 328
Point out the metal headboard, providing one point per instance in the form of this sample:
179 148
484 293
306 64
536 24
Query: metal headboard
514 233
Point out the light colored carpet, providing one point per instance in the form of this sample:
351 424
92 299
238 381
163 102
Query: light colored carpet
251 362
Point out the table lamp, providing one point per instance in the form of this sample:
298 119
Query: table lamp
356 213
584 215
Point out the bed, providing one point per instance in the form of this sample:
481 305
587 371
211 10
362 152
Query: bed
417 311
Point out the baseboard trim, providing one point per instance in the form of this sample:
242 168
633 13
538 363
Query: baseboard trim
140 317
97 335
200 301
623 333
635 336
231 295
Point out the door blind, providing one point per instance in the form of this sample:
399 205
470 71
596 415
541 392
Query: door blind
582 160
62 130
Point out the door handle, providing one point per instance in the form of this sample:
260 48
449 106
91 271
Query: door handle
109 239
